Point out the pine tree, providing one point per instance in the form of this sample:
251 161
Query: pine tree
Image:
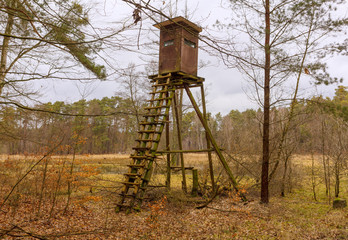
36 38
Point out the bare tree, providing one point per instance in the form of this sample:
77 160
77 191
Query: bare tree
292 34
135 85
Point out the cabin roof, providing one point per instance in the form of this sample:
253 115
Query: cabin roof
178 21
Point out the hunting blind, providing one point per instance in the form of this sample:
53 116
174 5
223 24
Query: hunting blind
178 46
178 58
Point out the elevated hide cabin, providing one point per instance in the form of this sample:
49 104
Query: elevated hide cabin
178 46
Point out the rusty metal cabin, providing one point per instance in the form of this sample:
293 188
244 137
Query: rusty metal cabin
178 46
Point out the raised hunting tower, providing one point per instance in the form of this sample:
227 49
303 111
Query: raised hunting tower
178 60
178 46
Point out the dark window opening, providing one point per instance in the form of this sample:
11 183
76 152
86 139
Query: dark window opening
168 43
189 43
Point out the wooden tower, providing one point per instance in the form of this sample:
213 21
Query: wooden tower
178 46
178 60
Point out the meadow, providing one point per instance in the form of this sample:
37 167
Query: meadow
74 197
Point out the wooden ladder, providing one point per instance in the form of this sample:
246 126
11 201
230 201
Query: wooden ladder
149 134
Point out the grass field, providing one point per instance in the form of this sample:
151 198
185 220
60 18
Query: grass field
62 197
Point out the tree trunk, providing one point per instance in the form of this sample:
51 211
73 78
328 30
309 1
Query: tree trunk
4 49
323 154
284 176
337 177
313 177
266 109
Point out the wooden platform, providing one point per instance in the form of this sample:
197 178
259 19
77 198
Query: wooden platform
179 79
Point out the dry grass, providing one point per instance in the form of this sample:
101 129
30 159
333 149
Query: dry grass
96 182
306 160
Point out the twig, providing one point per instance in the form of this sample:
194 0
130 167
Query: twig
4 232
32 234
8 232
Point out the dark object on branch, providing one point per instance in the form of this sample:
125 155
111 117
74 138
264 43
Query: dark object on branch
136 14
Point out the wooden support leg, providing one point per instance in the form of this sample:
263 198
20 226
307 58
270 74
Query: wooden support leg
211 169
194 182
212 140
184 185
168 149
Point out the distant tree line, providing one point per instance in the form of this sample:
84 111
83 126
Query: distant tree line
109 125
98 126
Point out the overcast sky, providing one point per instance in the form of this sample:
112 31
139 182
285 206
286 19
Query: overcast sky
227 89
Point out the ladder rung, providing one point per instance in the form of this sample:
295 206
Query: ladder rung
136 165
160 84
155 115
132 177
159 99
132 174
141 157
131 183
146 140
160 91
148 131
153 123
186 168
156 107
143 148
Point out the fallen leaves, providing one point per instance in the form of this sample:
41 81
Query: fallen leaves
168 219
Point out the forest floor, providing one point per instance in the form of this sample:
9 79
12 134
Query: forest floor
168 218
172 215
